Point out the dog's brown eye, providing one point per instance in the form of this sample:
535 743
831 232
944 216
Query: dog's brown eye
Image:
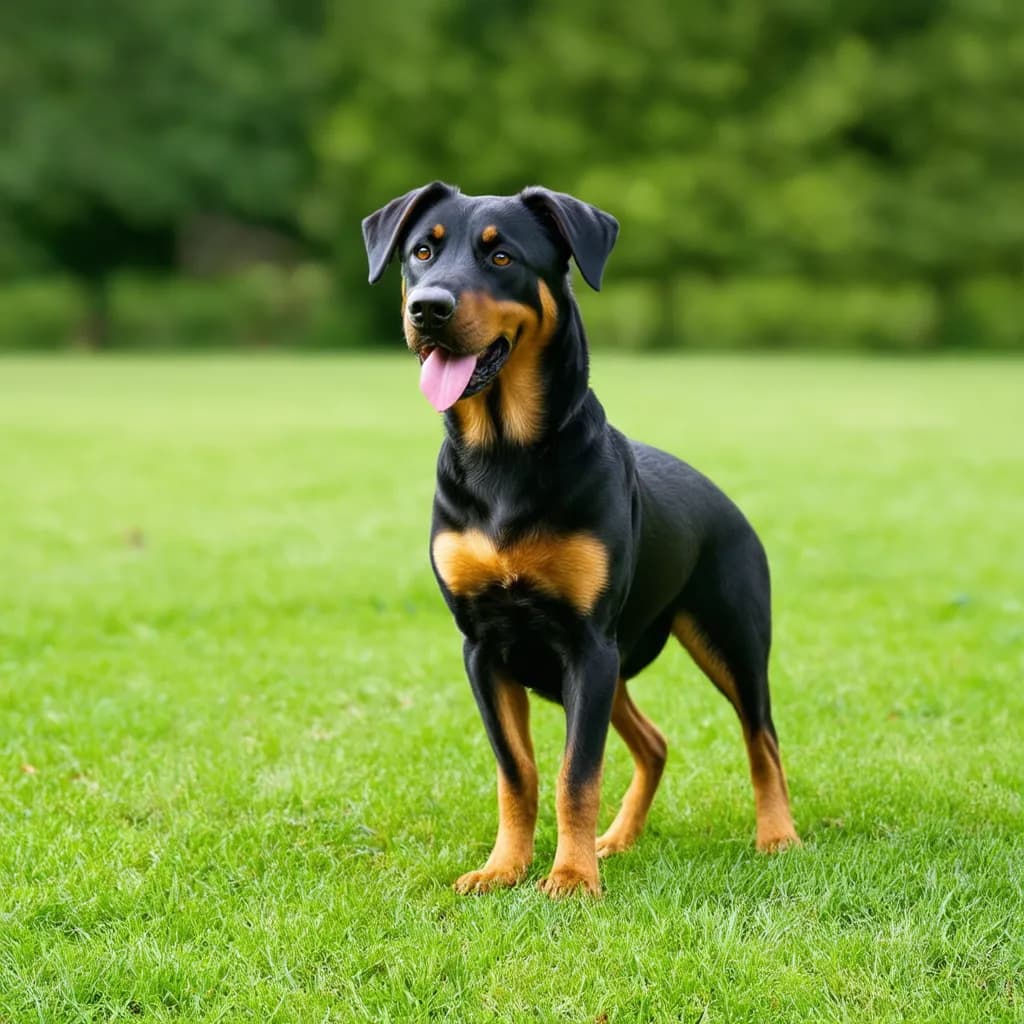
423 252
501 259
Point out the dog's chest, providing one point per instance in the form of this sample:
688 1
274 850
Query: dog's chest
572 567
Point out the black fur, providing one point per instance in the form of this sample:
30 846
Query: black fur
676 544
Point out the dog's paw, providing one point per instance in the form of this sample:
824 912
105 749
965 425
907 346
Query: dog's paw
563 881
614 841
487 879
777 841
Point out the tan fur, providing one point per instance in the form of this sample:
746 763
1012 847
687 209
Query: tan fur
517 804
437 232
649 750
522 390
575 865
475 422
572 566
775 829
489 234
685 630
479 320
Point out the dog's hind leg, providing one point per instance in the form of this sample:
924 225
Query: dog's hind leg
649 751
724 622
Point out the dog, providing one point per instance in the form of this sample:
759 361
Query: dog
567 553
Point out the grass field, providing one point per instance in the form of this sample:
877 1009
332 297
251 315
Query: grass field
241 765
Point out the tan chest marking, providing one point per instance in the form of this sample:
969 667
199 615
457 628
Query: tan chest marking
573 567
475 420
521 387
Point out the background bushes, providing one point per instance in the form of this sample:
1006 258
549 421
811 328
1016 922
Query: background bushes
270 306
263 306
40 313
786 173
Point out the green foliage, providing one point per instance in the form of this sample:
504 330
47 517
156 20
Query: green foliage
774 312
41 313
164 313
121 119
780 312
241 763
262 306
987 311
626 314
149 110
865 154
863 157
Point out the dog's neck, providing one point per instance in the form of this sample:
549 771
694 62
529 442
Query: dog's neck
568 376
558 387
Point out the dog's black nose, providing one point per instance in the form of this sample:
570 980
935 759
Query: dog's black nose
430 307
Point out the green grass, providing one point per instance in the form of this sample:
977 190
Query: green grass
241 766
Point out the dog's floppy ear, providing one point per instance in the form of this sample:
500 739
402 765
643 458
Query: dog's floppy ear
381 230
589 232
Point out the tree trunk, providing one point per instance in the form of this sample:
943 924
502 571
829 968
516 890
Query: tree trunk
95 333
667 333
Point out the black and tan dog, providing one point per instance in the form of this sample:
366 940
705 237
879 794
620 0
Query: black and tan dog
567 553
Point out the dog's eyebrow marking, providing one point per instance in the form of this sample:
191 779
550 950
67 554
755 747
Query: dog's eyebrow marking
489 233
437 232
573 566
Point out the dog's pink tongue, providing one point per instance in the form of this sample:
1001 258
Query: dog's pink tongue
444 377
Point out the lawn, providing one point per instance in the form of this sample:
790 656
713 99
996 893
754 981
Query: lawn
241 765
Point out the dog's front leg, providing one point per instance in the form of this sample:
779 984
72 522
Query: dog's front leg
505 710
588 692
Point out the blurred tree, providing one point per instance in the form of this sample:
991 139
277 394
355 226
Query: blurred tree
792 157
120 119
858 143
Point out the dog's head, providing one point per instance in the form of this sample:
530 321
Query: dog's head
480 274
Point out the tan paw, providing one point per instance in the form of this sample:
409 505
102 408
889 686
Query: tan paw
776 842
487 879
614 841
563 881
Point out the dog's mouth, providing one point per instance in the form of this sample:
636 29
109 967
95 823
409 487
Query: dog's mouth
446 377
